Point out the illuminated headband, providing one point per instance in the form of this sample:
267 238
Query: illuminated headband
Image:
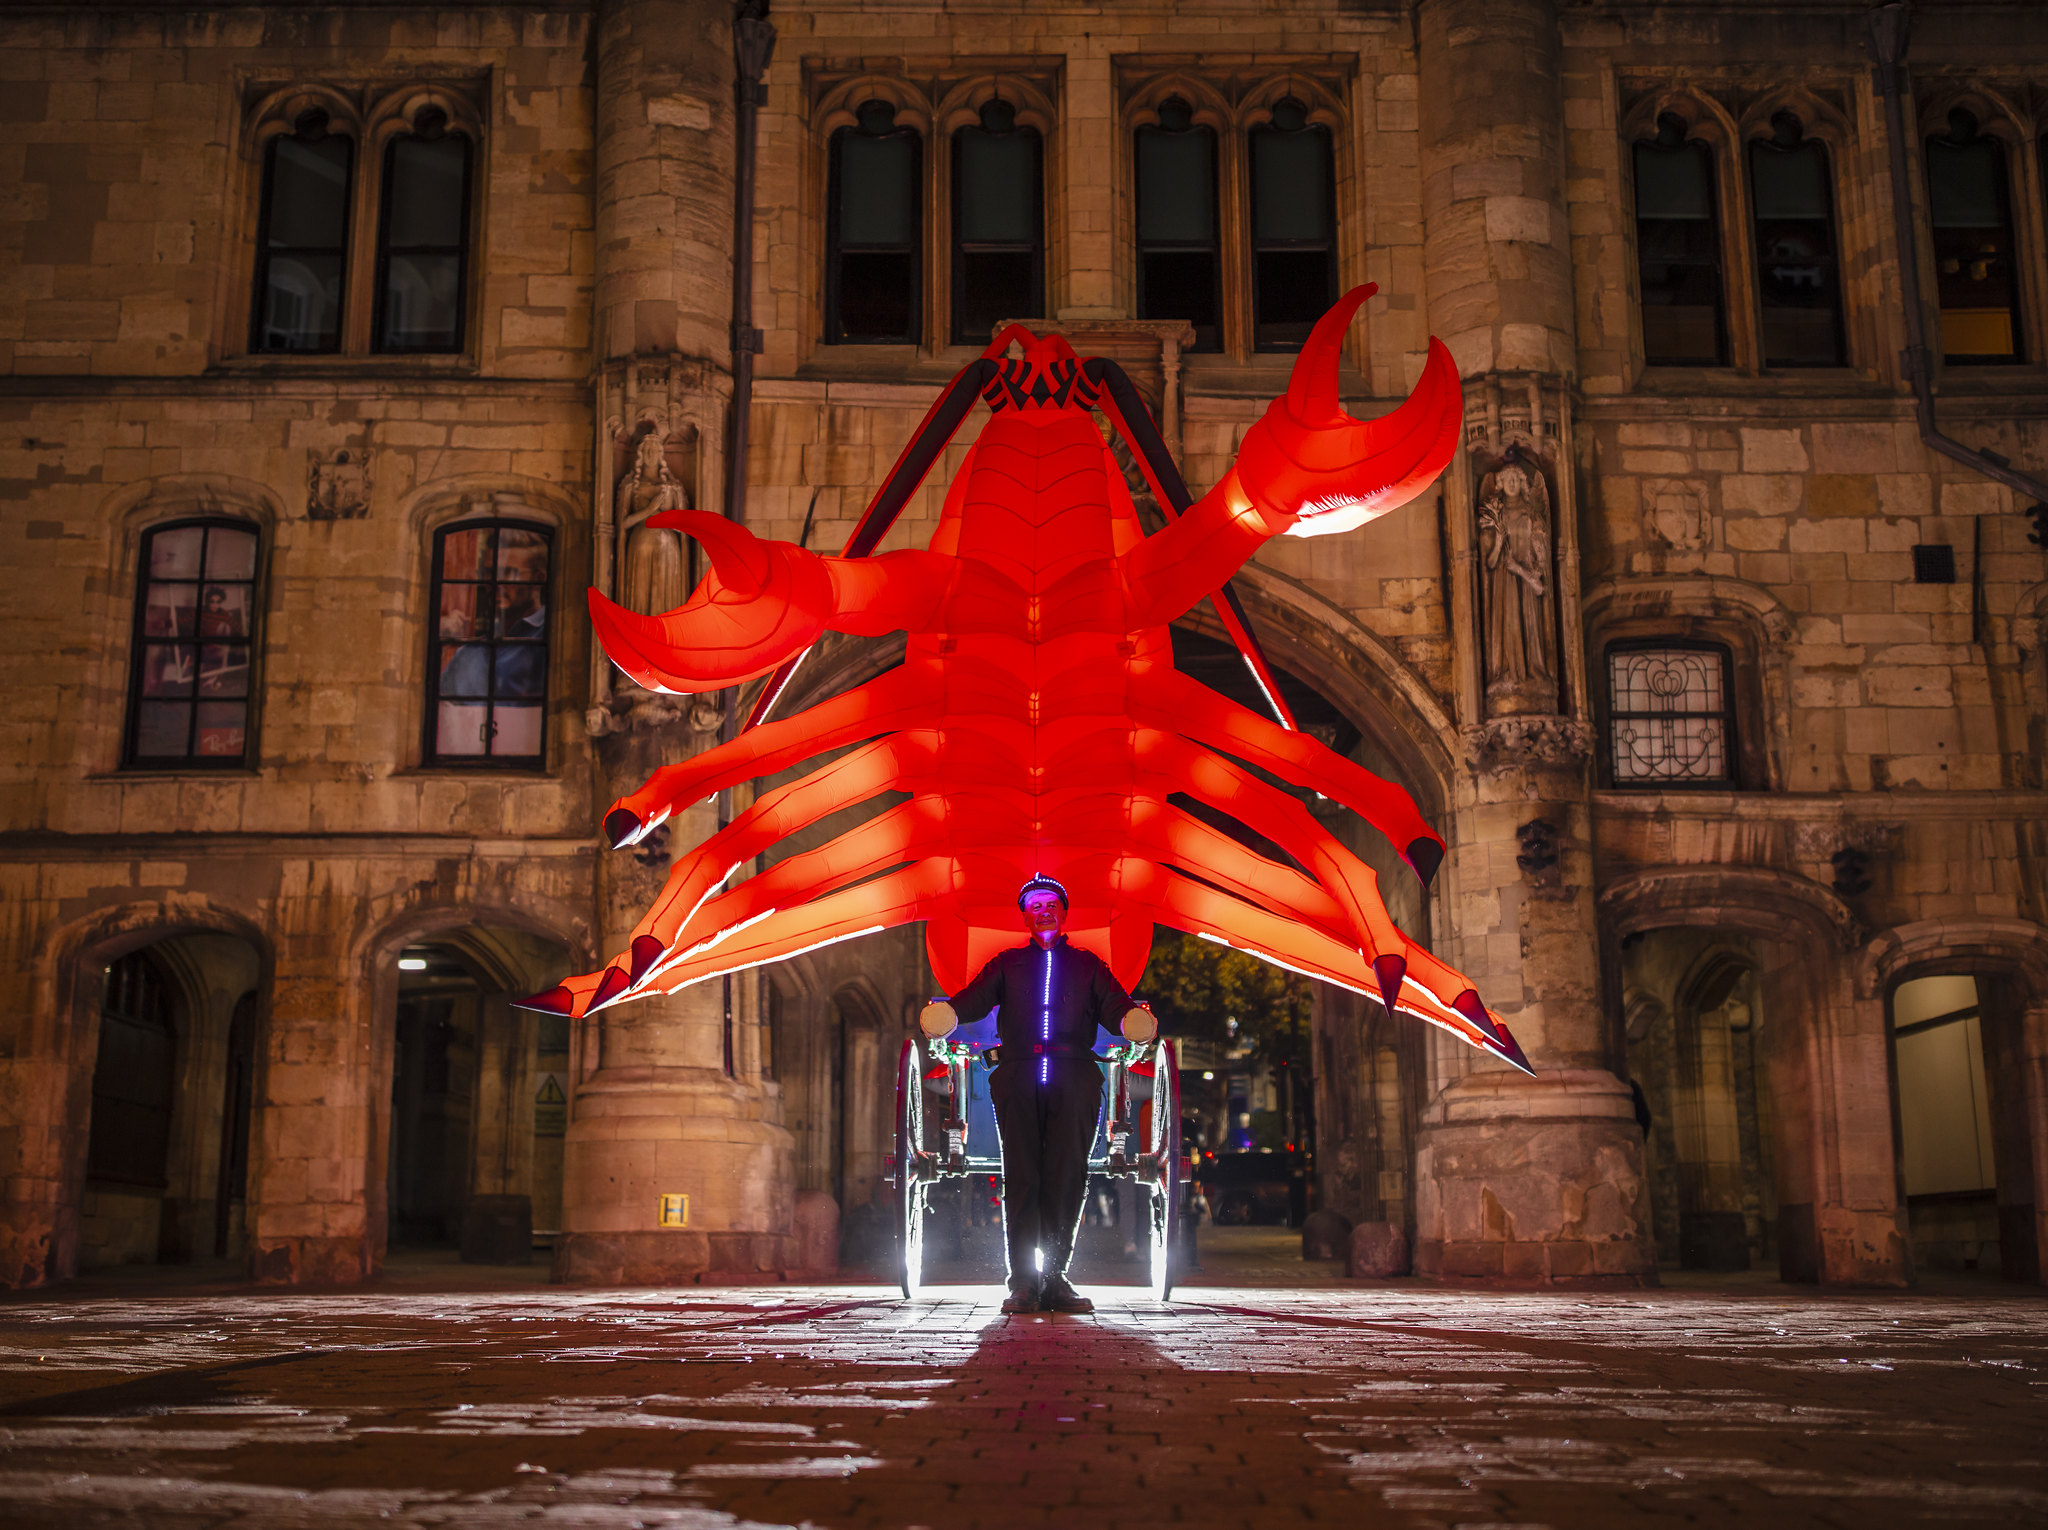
1042 884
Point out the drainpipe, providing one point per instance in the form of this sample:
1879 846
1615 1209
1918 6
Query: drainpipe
1888 27
753 43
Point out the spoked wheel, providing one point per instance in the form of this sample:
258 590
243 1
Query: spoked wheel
910 1184
1163 1143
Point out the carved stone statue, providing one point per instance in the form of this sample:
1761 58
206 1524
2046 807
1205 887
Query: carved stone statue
656 570
1514 533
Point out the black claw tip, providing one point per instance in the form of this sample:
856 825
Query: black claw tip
1426 856
610 986
646 952
1390 970
1468 1005
553 1001
1512 1050
620 826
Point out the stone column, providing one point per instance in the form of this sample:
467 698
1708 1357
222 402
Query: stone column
653 1111
1520 1179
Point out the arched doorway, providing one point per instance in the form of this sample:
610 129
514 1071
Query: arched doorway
478 1107
1696 1055
169 1113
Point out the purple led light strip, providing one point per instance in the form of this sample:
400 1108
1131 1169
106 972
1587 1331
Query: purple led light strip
1045 1021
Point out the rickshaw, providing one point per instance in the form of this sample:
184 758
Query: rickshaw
1137 1138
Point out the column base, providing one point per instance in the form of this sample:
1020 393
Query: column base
321 1261
1534 1182
677 1258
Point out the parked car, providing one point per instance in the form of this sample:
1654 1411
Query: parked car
1250 1188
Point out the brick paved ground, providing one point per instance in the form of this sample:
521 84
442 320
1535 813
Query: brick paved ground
1283 1402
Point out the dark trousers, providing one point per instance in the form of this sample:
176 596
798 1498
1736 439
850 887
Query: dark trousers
1046 1130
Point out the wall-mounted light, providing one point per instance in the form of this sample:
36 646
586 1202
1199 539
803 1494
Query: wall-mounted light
412 964
1208 1075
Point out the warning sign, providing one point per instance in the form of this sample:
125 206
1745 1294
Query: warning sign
550 1107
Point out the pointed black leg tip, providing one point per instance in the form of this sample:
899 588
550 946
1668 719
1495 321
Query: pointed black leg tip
646 952
620 828
609 987
552 1001
1510 1050
1427 857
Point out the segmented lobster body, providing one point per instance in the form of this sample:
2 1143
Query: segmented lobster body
1037 723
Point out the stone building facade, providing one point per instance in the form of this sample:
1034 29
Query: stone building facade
342 340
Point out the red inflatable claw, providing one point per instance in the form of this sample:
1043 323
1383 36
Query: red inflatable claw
1037 724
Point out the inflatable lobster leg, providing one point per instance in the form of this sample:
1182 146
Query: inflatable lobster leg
903 896
902 698
1188 905
692 881
1169 700
1175 837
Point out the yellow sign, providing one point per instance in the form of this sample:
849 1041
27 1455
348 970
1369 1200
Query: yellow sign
550 1107
675 1211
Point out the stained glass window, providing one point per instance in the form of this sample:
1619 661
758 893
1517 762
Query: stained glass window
422 241
302 239
195 629
1678 250
1179 273
1797 280
1294 227
873 283
487 670
1668 709
998 224
1970 204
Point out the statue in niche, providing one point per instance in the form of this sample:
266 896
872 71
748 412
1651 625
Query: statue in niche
1514 538
656 574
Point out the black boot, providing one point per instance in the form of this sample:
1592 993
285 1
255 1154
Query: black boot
1059 1295
1023 1298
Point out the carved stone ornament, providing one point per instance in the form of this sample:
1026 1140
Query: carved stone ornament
339 486
1508 743
1675 513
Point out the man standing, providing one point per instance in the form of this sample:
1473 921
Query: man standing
1049 997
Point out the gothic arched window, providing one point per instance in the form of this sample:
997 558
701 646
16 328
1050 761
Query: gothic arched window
423 238
1799 283
1179 273
1293 225
1969 202
302 239
998 224
874 285
1678 250
487 661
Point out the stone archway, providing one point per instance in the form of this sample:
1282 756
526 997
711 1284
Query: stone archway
2006 964
1839 1221
178 1066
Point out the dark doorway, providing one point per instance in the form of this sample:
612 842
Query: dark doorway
432 1089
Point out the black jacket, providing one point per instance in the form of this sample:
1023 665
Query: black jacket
1045 998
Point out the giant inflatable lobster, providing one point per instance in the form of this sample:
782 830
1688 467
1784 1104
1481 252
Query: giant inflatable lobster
1037 722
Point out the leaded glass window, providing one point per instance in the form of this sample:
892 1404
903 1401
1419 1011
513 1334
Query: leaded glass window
1179 272
423 239
302 239
1970 204
195 632
487 671
873 284
1294 227
1669 716
1797 279
998 224
1678 250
